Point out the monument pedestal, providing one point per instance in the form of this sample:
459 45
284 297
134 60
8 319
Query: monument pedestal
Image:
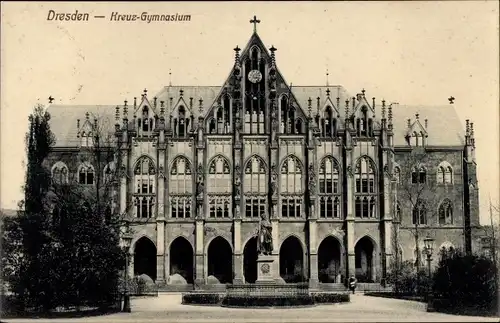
265 269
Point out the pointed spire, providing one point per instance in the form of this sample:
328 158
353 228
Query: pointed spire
154 101
383 107
78 124
181 92
327 74
338 107
309 104
117 113
408 123
317 103
390 115
201 107
135 102
373 103
162 109
169 77
273 55
237 54
467 127
125 110
191 103
425 123
255 21
347 109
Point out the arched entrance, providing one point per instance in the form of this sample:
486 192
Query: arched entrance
292 260
364 260
181 259
250 261
220 260
329 260
145 258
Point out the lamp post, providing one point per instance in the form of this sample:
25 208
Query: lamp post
429 245
127 241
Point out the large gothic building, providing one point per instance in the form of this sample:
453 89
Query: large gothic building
197 166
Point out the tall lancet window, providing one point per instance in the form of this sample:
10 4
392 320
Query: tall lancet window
145 123
328 123
329 188
181 188
222 116
289 123
145 187
446 212
181 123
255 93
219 187
292 187
60 173
364 124
255 187
365 191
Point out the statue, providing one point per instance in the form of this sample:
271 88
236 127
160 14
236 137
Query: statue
200 190
274 178
264 236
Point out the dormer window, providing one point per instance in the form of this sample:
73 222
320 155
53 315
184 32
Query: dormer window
328 123
364 124
181 124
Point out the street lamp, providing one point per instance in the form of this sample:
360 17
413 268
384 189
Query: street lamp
429 245
127 241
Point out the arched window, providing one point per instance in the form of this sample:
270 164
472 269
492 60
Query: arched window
289 124
181 123
254 187
219 187
448 175
328 123
181 188
60 173
86 174
365 192
440 175
291 187
223 116
144 179
329 188
145 122
446 212
444 173
363 123
419 213
418 175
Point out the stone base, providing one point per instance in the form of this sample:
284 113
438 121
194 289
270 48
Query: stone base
266 270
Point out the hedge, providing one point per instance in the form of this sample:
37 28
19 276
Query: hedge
202 298
330 298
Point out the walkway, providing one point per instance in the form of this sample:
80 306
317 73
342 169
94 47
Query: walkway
168 308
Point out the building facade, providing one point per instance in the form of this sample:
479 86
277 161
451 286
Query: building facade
198 165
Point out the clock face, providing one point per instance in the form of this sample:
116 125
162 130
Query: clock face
254 76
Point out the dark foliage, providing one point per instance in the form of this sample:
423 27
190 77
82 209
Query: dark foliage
267 301
329 298
406 281
202 298
400 295
465 281
59 250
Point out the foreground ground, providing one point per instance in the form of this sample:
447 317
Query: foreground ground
168 308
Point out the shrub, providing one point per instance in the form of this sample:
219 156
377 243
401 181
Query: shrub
202 298
330 298
466 281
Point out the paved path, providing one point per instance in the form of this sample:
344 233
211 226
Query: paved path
168 308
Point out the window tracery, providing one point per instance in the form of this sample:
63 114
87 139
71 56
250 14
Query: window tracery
219 187
254 187
145 183
292 190
181 188
365 191
181 123
446 212
145 123
86 174
419 213
328 123
60 173
329 188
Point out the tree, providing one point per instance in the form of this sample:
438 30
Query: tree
415 195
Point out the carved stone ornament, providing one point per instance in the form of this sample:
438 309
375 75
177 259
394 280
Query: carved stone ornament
161 173
349 171
274 178
386 170
208 230
312 180
123 171
200 173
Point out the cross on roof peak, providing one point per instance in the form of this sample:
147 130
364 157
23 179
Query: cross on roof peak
255 21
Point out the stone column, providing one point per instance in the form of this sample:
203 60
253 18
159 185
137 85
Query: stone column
313 254
351 265
123 182
160 221
130 268
199 255
276 251
237 253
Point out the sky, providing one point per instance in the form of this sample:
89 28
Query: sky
407 52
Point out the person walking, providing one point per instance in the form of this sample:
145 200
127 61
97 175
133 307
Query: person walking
352 284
